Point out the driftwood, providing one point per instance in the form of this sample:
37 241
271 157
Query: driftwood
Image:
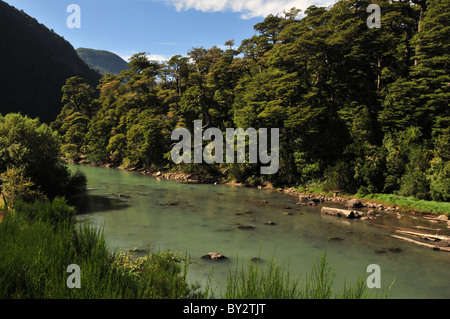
397 228
435 219
406 231
434 247
424 235
429 228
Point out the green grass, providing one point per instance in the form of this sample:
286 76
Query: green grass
405 203
410 203
255 283
36 252
274 282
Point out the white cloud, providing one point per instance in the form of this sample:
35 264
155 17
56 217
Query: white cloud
153 57
248 8
158 57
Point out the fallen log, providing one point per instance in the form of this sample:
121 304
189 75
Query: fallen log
433 247
428 228
423 235
435 219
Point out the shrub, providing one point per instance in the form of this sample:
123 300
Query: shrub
15 186
33 149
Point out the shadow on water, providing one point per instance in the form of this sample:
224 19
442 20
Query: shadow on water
88 203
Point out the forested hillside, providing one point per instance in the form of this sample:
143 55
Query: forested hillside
34 64
359 109
103 61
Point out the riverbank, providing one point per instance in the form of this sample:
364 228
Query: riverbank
370 208
382 202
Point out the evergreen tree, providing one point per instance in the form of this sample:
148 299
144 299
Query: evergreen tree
359 109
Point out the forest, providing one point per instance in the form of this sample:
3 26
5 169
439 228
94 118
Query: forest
359 109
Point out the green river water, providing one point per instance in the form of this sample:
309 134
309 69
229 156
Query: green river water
204 219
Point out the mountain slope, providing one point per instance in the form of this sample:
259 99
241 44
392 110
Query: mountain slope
34 64
102 61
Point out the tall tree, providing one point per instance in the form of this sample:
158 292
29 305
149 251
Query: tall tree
73 121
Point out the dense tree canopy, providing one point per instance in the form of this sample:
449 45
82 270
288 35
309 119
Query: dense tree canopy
358 108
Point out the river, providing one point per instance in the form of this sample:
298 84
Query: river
158 215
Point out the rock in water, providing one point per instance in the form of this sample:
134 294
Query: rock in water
214 256
246 226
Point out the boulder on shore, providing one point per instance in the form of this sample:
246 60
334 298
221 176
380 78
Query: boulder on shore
302 198
351 214
371 212
354 203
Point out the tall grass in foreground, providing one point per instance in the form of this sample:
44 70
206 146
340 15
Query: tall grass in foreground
39 241
275 282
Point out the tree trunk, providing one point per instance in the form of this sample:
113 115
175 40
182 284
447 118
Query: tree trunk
6 205
379 75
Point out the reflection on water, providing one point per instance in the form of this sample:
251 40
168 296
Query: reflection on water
149 214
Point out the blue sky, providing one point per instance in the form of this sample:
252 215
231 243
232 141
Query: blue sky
161 27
